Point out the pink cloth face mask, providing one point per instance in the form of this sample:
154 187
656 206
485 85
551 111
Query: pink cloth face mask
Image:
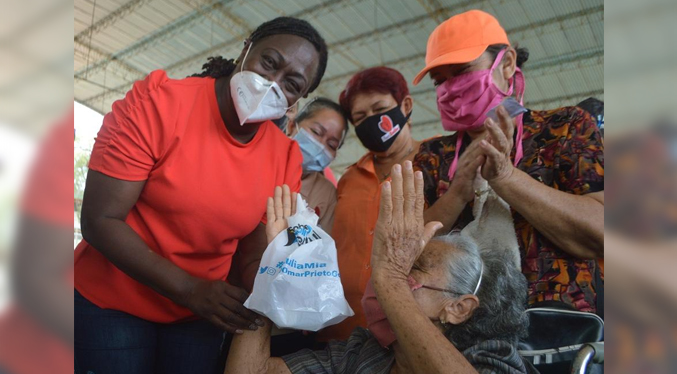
464 100
377 322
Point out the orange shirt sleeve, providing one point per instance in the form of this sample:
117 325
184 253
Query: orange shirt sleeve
134 133
292 175
294 171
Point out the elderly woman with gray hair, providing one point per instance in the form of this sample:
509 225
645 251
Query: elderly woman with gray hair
440 304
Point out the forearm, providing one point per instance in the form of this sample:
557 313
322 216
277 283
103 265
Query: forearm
251 249
250 353
445 210
424 346
574 223
123 247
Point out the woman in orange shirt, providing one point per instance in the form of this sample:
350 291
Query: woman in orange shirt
178 182
378 104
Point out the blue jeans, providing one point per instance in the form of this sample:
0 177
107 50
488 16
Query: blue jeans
110 341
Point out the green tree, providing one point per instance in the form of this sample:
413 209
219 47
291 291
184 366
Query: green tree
81 160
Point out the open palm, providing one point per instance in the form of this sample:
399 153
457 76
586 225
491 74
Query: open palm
279 208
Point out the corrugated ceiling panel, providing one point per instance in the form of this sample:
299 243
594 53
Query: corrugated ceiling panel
536 10
546 43
84 9
568 6
555 43
511 14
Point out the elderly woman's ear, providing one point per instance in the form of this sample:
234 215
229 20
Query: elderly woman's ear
459 310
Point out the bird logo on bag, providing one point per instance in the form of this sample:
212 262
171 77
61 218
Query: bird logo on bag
300 234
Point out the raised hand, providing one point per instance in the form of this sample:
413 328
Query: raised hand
400 233
279 209
469 163
497 148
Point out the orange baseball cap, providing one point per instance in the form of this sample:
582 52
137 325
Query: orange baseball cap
460 39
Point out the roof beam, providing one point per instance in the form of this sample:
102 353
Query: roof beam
330 5
402 27
161 34
363 39
435 10
97 54
326 6
109 20
421 56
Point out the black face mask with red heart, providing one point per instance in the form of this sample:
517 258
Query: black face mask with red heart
378 132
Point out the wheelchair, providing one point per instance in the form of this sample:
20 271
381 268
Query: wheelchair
564 341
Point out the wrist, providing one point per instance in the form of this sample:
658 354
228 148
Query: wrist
386 276
505 179
454 196
186 288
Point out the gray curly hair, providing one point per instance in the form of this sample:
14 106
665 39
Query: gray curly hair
502 293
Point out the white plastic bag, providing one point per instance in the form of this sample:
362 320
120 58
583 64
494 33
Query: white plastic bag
298 284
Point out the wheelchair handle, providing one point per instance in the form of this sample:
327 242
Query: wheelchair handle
589 353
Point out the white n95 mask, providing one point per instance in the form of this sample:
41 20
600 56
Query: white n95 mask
256 99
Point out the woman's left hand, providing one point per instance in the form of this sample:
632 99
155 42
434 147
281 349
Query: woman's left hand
497 148
279 208
400 234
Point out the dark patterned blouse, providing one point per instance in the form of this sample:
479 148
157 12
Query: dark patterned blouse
563 149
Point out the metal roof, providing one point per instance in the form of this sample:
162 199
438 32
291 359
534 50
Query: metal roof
119 41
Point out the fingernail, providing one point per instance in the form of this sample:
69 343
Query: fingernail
419 175
259 322
407 164
398 168
239 332
483 142
252 327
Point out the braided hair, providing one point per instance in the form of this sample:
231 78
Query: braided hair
217 66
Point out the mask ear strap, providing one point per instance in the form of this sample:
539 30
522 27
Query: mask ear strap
520 86
295 103
409 115
245 56
454 164
498 59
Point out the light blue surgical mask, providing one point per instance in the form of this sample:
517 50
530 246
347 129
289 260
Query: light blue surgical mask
315 156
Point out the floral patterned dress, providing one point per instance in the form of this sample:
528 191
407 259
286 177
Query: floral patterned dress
563 149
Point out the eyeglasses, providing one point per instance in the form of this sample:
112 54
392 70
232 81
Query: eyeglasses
415 285
440 289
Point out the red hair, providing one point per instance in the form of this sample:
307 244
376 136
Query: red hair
379 79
